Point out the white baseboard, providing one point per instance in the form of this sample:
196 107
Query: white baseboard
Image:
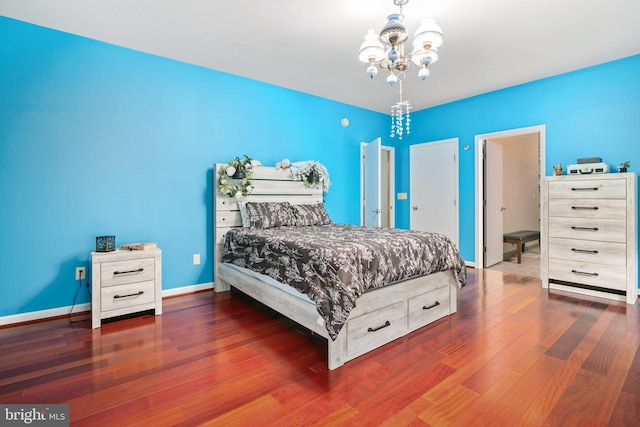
42 314
61 311
470 264
186 289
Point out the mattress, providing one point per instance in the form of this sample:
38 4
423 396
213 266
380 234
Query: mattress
334 264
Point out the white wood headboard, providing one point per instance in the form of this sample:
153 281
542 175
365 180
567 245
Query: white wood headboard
270 185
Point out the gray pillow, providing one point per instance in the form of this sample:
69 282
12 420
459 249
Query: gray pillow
270 214
311 215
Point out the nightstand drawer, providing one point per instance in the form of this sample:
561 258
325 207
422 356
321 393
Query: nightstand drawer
587 273
129 295
129 271
606 230
588 189
588 251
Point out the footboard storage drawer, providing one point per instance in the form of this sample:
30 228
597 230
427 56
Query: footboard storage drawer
125 282
589 235
370 330
428 307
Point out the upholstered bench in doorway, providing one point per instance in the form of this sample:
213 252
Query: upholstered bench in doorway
519 238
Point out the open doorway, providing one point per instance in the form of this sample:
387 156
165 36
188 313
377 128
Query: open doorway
387 185
522 166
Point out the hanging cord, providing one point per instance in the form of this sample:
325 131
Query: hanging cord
76 296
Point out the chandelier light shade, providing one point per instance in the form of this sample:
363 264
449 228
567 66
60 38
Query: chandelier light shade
386 50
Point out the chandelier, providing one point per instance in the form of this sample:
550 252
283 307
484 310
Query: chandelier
387 51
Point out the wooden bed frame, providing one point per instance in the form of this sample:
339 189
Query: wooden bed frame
382 315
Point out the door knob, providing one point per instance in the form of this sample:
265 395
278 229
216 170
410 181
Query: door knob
415 208
376 211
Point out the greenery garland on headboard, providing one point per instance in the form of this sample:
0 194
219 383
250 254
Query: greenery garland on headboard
235 178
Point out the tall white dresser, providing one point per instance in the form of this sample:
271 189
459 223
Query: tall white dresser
589 235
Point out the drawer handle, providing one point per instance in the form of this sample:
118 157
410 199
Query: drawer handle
431 306
129 295
387 323
584 228
585 189
594 208
584 251
584 273
140 270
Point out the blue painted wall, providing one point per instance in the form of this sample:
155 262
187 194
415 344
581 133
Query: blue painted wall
97 139
593 112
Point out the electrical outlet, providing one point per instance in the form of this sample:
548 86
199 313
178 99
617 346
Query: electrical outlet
196 259
80 273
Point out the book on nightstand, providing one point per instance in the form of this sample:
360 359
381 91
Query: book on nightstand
138 246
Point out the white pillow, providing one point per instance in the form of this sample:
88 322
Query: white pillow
242 205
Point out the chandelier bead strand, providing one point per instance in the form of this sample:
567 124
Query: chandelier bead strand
387 51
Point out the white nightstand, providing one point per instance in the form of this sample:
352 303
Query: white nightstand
125 282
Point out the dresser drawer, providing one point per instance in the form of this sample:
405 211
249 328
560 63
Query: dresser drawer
129 295
587 273
588 189
606 230
588 251
370 330
428 307
121 272
589 208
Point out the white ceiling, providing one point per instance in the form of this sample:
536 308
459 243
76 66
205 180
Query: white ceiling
312 45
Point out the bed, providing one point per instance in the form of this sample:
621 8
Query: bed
368 315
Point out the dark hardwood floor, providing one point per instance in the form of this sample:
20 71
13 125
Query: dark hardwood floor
513 355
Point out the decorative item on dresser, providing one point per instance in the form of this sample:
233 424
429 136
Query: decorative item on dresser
125 282
381 315
589 235
105 243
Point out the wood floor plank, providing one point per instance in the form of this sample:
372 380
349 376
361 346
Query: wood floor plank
540 409
339 417
573 406
627 411
632 381
475 409
576 332
513 404
494 369
513 354
409 415
621 358
401 389
449 408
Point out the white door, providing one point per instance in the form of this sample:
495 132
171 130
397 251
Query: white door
372 186
433 175
493 217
